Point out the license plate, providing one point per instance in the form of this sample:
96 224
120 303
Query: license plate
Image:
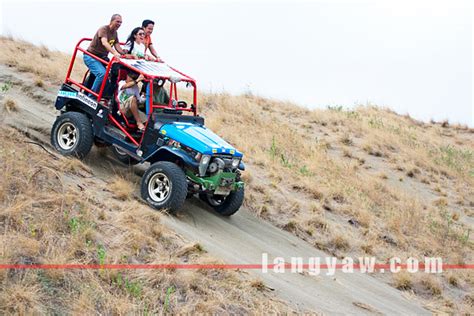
222 191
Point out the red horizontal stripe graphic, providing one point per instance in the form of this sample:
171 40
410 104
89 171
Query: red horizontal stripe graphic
209 266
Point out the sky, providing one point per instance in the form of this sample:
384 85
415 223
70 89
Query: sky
414 56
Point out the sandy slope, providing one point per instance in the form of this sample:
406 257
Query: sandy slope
238 240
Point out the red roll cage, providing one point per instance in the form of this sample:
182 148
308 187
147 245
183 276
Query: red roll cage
149 77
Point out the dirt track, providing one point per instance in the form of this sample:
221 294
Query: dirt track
240 239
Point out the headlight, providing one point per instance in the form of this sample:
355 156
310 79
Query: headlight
203 165
235 162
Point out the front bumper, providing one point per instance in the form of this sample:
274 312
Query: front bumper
221 183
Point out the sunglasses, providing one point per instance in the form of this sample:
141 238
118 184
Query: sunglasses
141 33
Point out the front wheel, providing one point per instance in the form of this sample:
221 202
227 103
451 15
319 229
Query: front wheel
71 134
225 205
164 186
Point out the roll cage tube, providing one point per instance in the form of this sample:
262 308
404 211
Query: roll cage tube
148 77
152 77
173 90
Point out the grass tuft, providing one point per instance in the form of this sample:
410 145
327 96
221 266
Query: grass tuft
121 188
432 285
39 83
403 281
10 105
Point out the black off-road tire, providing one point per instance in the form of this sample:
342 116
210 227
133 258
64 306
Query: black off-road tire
123 157
203 197
230 205
160 173
72 135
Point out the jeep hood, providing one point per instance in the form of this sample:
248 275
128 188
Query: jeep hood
198 138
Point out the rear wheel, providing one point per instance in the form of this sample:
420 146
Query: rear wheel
123 157
71 134
164 186
225 205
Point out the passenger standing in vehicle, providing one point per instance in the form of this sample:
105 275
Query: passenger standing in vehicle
105 41
148 26
135 45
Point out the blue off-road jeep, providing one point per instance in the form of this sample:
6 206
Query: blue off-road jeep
185 157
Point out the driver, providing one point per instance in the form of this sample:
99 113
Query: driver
160 95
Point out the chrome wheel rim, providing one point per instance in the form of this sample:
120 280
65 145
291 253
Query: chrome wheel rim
67 136
159 187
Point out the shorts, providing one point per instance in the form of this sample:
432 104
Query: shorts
125 109
125 106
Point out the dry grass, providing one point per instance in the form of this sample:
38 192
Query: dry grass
310 171
121 188
39 83
46 64
432 285
189 249
74 166
258 284
22 298
392 218
46 217
340 242
453 280
403 281
10 105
